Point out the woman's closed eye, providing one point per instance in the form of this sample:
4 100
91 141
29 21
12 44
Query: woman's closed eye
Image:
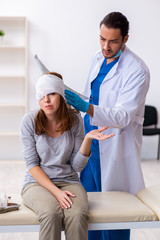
51 94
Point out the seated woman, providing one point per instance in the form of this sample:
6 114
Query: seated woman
55 149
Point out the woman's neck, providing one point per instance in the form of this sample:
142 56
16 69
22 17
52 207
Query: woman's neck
52 127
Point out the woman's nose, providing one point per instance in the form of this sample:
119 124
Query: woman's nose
46 98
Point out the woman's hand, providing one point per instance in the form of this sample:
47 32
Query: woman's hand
98 135
94 134
64 199
61 196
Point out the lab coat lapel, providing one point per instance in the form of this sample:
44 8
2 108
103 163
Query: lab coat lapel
112 72
98 63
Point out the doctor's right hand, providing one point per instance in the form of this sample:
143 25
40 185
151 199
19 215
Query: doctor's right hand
77 102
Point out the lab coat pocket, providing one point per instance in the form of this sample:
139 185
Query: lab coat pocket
139 120
121 144
138 126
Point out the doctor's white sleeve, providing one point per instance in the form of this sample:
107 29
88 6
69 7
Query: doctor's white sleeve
129 104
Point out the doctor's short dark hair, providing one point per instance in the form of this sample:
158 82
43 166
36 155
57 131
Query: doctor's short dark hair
116 20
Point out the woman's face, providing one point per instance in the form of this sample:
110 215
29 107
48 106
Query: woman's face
50 103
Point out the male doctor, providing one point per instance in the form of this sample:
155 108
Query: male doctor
117 86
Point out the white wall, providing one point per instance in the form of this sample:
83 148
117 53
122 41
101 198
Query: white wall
65 35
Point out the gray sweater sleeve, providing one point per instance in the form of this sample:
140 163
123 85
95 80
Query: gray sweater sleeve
29 144
78 160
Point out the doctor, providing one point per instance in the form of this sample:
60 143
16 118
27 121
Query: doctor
117 85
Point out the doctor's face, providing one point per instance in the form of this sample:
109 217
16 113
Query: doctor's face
111 41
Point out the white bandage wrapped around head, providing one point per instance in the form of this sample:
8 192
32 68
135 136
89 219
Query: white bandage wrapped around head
49 83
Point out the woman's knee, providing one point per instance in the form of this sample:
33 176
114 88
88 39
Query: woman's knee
76 216
81 215
50 215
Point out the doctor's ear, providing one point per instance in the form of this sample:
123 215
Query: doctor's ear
126 38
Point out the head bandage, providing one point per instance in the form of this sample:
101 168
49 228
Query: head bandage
47 84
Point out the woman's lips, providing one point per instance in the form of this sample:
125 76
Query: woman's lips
48 106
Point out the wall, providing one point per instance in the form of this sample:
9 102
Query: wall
65 35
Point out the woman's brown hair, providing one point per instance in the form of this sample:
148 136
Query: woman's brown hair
65 114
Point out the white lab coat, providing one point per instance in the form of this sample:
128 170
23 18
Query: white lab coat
121 108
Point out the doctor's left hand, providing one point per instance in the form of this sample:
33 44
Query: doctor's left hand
77 102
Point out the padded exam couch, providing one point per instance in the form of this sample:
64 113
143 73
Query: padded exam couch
107 210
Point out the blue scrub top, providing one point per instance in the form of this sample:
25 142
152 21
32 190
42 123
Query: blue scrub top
94 160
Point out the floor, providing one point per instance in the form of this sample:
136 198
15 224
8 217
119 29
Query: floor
11 178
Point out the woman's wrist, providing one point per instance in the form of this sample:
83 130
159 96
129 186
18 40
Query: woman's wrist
88 138
55 190
86 146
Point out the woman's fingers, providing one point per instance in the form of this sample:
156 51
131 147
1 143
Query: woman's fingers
66 202
104 136
102 129
98 134
101 136
70 194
